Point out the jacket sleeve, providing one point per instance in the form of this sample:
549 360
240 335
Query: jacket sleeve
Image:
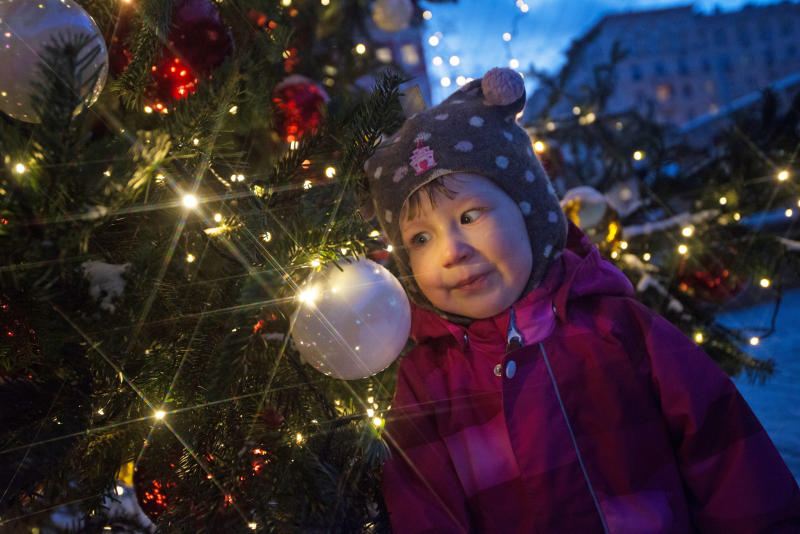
735 479
420 485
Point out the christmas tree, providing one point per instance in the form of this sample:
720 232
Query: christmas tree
155 230
698 227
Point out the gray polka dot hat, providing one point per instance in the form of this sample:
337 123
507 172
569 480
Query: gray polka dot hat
472 131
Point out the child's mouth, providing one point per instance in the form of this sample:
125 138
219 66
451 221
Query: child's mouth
472 283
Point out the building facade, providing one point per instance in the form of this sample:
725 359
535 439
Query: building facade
682 65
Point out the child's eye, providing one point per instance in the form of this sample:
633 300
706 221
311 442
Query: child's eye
419 239
471 216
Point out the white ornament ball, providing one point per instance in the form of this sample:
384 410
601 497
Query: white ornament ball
26 28
392 15
353 322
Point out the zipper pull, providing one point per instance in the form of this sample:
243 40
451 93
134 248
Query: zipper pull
514 337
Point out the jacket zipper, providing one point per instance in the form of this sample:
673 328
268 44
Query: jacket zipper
574 441
513 337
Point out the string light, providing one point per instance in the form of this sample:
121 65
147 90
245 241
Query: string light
445 81
514 63
539 147
683 249
433 40
698 337
646 256
254 526
190 258
361 48
370 412
576 110
315 263
308 296
374 233
330 172
437 61
217 217
789 212
160 178
723 200
159 414
687 231
737 216
506 36
623 245
294 145
754 341
148 109
19 168
378 422
764 282
389 248
614 254
427 15
286 3
234 110
190 201
266 236
195 141
638 155
455 60
299 438
307 185
461 80
783 176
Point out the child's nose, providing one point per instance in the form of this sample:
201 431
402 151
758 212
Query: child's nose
456 251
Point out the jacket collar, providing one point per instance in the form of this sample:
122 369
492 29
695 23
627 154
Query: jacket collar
579 271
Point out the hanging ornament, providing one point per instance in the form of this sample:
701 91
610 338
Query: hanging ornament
16 331
353 320
26 30
590 211
154 491
378 249
198 43
710 278
392 15
298 105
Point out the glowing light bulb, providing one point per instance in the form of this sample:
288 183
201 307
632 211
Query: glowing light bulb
437 61
325 2
389 248
266 236
764 282
683 249
539 147
307 184
190 201
699 337
218 217
783 176
576 110
308 296
254 526
19 168
315 263
638 155
361 48
445 81
461 80
299 438
374 233
195 141
286 3
330 172
427 15
370 400
788 212
378 422
723 200
455 60
190 258
159 414
737 216
754 341
506 36
646 256
514 63
294 145
234 110
370 412
148 109
687 231
614 254
623 245
433 40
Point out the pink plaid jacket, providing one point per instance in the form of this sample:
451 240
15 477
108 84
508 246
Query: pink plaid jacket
606 420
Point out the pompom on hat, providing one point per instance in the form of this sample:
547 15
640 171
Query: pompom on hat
473 131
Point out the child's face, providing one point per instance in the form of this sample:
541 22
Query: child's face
470 254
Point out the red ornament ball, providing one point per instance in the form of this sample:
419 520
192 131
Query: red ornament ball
709 279
298 103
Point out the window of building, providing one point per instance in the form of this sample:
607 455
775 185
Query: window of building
769 57
765 31
664 92
721 37
636 73
384 54
410 54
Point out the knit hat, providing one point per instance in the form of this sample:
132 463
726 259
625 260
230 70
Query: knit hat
473 131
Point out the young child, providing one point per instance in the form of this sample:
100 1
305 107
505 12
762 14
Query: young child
541 396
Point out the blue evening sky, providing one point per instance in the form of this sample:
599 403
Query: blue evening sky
472 30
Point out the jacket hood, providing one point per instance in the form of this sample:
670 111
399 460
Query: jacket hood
578 272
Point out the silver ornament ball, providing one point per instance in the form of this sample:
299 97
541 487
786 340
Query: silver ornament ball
26 28
352 322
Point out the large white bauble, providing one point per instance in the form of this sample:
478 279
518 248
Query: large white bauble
353 322
392 15
26 27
